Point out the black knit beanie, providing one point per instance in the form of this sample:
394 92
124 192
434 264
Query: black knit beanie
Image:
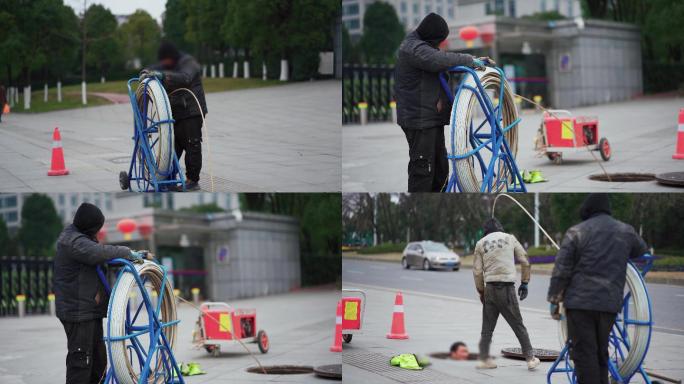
433 29
88 219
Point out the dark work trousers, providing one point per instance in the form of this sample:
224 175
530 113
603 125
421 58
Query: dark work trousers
500 298
588 332
188 139
87 356
428 167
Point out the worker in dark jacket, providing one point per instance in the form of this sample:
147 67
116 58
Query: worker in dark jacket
589 278
423 108
178 70
80 297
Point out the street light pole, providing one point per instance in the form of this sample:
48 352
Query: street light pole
84 98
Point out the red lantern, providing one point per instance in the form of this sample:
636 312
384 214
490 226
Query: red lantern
126 226
101 235
487 37
444 45
145 230
468 34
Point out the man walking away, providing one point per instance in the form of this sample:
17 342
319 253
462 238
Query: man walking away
589 278
80 297
495 275
423 108
177 70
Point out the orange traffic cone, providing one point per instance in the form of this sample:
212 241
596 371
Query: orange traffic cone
679 151
337 339
398 331
57 167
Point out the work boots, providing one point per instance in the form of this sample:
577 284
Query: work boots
486 364
533 363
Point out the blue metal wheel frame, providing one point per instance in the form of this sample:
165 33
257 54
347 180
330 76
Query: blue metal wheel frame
142 157
494 141
159 345
619 337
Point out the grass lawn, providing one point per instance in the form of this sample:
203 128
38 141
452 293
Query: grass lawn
71 94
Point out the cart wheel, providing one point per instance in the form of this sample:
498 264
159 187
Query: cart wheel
604 149
347 338
556 157
124 182
215 350
262 341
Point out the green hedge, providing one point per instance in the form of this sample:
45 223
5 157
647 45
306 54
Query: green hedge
541 251
383 248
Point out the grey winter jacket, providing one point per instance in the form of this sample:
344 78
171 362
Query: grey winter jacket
186 74
495 256
79 293
591 265
421 101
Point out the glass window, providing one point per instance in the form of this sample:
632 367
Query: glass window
415 7
61 199
74 199
11 217
450 11
352 24
557 6
439 10
404 7
436 247
511 8
10 202
571 8
351 9
543 5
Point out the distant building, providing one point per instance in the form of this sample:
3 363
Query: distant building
120 19
562 61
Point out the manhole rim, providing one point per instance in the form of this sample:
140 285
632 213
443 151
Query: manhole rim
302 369
623 177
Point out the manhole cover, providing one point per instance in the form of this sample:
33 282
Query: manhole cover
623 177
541 354
332 371
445 355
675 179
282 369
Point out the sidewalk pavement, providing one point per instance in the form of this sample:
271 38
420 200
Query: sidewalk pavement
433 322
299 325
642 134
284 138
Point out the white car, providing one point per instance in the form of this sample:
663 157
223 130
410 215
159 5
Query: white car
429 255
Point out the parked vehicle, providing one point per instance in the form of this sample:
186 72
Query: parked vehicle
429 255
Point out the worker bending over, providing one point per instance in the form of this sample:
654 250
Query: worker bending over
495 276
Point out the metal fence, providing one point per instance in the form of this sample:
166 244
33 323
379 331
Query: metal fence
373 85
31 277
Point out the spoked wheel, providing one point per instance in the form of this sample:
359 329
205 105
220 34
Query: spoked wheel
347 338
156 146
604 149
470 134
131 325
124 181
262 341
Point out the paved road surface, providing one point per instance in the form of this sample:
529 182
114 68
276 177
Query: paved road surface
284 138
668 300
299 325
641 132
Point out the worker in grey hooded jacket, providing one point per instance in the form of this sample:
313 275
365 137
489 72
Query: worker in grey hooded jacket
495 275
423 108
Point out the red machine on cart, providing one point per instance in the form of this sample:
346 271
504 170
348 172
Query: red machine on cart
353 312
561 132
220 324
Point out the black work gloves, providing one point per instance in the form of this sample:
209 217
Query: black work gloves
522 291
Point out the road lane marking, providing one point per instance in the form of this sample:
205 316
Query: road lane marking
411 278
377 267
679 295
354 271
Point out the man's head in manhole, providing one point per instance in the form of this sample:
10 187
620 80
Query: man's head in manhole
458 351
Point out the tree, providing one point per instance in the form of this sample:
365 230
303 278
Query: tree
40 226
4 238
174 24
202 25
103 50
382 33
140 37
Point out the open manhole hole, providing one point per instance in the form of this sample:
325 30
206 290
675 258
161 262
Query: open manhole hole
332 371
623 177
675 179
445 356
282 369
541 354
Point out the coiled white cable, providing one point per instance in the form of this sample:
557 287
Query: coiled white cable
121 353
158 109
467 110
